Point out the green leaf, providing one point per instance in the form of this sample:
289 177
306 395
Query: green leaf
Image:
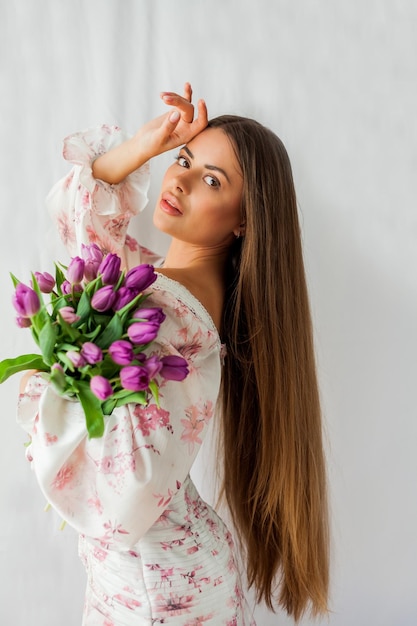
133 304
84 307
8 367
58 303
121 279
47 339
108 406
153 386
91 336
66 346
59 278
58 379
122 397
15 280
62 356
68 329
93 285
35 287
108 368
92 408
112 332
134 397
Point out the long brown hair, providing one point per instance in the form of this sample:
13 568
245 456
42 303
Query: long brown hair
274 467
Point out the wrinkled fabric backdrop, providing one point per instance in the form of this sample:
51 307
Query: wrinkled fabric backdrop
337 81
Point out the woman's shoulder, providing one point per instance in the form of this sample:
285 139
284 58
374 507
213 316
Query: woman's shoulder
201 300
180 295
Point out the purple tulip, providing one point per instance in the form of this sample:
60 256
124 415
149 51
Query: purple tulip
155 315
92 256
68 314
142 332
121 352
101 387
153 366
134 378
124 296
103 299
91 252
91 353
174 367
109 269
75 271
76 358
140 277
23 322
26 301
67 288
45 281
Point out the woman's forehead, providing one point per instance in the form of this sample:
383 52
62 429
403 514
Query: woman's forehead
215 147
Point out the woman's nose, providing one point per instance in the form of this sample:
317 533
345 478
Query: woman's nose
182 182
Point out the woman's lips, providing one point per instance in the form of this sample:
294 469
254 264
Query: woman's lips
170 205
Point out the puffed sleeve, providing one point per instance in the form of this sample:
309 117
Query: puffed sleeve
114 488
87 210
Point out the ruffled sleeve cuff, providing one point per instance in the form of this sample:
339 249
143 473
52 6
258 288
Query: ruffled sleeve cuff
87 210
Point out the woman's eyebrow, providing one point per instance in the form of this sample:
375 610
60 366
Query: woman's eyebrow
209 167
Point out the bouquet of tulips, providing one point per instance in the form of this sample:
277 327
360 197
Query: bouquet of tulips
94 334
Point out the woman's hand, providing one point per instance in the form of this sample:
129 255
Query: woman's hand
163 133
175 128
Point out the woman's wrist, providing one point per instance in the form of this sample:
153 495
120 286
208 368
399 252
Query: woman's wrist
116 164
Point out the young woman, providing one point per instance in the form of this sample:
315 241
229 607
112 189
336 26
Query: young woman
233 288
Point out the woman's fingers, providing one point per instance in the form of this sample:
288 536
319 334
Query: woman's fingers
188 92
182 103
179 125
202 115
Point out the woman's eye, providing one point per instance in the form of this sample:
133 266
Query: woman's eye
182 161
212 181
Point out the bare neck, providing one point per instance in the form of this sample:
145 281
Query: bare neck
201 271
185 256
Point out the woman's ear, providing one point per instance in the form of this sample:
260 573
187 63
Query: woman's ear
240 231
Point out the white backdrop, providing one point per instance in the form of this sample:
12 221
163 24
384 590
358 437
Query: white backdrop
337 81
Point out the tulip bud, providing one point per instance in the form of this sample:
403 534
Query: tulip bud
26 301
153 366
124 296
68 314
23 322
101 387
57 377
134 378
109 269
142 332
92 256
91 252
75 272
91 353
45 281
121 352
103 299
155 315
140 277
67 288
174 367
76 358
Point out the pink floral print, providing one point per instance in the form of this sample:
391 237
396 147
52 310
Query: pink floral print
154 552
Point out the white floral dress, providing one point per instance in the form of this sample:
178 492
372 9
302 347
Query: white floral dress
154 552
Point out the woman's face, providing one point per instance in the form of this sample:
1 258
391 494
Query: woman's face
200 199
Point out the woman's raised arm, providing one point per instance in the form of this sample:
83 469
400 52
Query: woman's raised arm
163 133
